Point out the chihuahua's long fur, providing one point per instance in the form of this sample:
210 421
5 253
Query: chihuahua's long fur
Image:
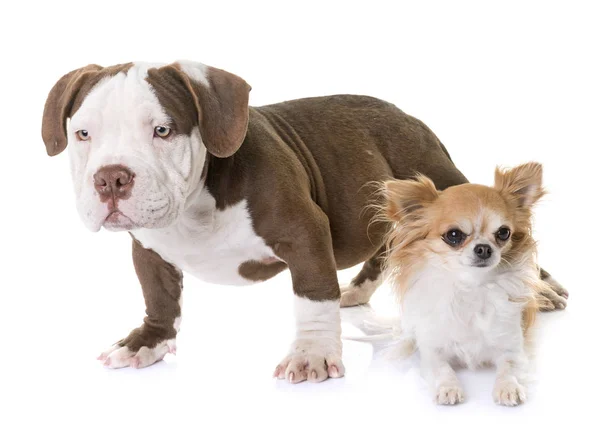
463 264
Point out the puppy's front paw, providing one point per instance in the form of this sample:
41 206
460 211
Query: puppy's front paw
312 363
450 394
509 393
140 349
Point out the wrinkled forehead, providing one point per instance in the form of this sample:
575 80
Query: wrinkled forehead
124 97
472 209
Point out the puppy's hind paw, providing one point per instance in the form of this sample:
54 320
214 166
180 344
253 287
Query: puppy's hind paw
553 291
352 296
549 300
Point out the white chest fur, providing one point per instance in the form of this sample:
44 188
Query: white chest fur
471 321
209 243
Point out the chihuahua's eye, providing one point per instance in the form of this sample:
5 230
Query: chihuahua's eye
454 237
503 234
162 131
82 135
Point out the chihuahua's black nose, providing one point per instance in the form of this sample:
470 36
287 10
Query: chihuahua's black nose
483 251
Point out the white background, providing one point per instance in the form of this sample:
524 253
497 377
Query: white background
498 82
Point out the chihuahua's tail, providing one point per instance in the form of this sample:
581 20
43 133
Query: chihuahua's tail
398 345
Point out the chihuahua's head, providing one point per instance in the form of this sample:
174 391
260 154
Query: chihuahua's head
468 227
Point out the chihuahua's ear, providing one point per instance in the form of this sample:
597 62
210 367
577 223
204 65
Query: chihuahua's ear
523 184
405 198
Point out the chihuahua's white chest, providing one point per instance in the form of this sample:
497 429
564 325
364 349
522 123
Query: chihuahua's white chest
469 320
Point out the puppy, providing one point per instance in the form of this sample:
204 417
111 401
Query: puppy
462 262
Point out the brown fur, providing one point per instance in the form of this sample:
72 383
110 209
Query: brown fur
162 287
317 186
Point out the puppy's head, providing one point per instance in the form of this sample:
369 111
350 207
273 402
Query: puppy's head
138 136
468 227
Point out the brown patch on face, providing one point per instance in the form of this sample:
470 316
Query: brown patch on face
220 110
260 271
66 97
174 95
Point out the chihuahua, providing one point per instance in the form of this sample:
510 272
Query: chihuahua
463 264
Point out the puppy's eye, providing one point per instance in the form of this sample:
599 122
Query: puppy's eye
162 131
503 234
454 237
82 135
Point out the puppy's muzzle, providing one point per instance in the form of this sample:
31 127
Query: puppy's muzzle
113 182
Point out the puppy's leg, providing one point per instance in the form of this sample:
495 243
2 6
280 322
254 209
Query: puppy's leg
509 389
441 378
161 286
365 283
316 353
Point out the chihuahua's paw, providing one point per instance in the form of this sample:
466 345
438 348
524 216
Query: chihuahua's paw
509 393
449 394
143 347
310 363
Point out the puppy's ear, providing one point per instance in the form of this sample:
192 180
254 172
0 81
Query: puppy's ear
404 199
59 105
219 102
522 184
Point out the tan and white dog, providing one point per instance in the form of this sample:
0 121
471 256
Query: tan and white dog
235 194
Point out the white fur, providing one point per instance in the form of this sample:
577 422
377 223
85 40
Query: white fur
117 357
317 350
470 317
209 243
195 70
474 229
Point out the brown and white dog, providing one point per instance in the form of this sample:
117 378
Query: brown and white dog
235 194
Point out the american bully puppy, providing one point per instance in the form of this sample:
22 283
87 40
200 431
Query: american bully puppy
235 194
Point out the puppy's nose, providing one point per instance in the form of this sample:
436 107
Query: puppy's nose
114 180
483 251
